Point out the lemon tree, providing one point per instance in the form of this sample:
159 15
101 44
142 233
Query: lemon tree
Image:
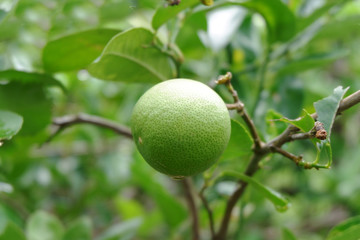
76 149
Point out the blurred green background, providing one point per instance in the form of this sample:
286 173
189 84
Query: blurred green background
89 183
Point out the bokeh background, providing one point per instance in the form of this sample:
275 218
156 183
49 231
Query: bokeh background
89 183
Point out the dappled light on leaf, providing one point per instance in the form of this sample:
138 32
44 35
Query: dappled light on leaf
131 57
75 51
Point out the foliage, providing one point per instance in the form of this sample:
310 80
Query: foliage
288 59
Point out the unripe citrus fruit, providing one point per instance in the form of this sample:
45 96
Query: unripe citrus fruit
181 127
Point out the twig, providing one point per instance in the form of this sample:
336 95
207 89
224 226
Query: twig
294 158
346 103
300 136
257 141
288 134
250 171
239 106
67 121
221 234
208 210
187 185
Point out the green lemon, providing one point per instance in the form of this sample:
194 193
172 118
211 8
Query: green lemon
181 127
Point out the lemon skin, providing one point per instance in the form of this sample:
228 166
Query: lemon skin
180 127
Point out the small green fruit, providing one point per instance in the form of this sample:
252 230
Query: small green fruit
181 127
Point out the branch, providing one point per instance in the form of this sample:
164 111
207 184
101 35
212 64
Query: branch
239 106
231 203
294 158
289 133
346 103
187 185
67 121
208 210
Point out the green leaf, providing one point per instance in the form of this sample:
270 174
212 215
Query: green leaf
240 142
311 62
30 101
8 214
163 14
346 230
10 124
287 234
279 19
327 108
75 51
305 123
343 28
30 77
189 42
304 22
281 203
143 175
123 230
43 226
131 57
129 208
12 231
81 229
274 126
114 11
299 41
